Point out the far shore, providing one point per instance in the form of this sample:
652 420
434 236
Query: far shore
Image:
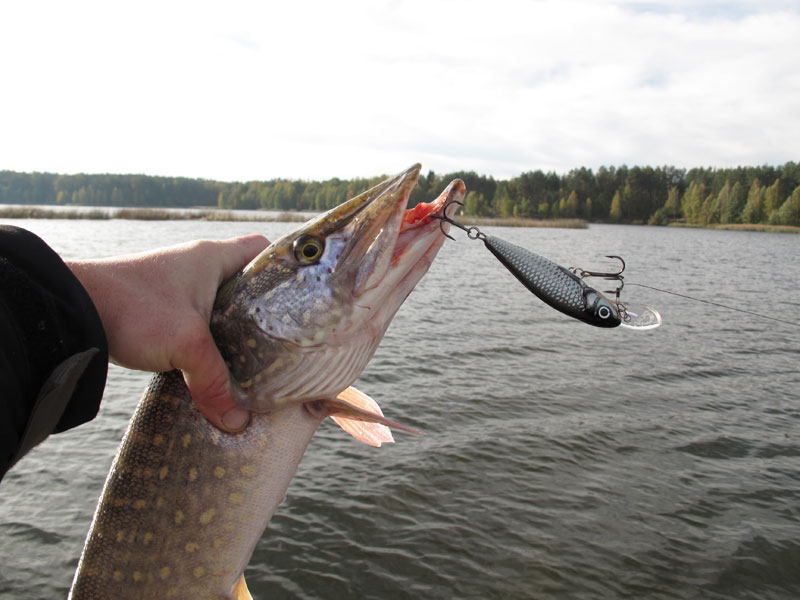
214 214
763 227
145 214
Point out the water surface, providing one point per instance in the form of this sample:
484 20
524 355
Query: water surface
558 461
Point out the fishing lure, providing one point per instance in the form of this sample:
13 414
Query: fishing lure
563 289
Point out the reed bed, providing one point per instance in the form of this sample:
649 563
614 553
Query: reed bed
762 227
520 222
143 214
36 212
757 227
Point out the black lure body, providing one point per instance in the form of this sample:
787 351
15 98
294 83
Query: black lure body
555 285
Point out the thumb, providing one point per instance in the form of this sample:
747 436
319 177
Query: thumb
235 252
208 380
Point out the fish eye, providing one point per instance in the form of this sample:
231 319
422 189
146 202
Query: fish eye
308 249
604 312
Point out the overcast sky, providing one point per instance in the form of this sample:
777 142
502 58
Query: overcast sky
242 90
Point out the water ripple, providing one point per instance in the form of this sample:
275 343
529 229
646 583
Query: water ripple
558 461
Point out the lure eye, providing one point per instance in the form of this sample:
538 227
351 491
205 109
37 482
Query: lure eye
604 312
308 249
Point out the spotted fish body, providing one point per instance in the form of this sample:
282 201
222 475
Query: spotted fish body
185 503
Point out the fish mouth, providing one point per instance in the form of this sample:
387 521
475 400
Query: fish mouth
387 238
424 212
428 215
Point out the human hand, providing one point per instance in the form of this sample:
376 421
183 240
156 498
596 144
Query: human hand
156 306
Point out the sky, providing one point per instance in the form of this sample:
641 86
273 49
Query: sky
252 90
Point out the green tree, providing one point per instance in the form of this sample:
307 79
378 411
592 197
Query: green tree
645 191
720 204
709 213
607 181
789 212
659 217
627 199
543 210
753 210
616 208
692 202
771 200
734 205
672 207
570 210
472 203
505 198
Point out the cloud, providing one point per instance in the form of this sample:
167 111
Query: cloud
317 89
712 9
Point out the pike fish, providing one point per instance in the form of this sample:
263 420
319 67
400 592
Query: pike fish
185 503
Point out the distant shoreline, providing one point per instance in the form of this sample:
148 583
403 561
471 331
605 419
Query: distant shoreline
145 214
214 214
762 227
522 222
217 214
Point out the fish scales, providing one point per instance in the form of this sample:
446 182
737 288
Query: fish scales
182 498
549 281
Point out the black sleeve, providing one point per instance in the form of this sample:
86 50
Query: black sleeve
53 350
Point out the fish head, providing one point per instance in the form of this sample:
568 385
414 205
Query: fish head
301 321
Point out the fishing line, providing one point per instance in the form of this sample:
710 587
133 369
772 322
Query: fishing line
565 290
742 310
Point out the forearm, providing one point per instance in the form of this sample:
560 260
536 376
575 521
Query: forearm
46 319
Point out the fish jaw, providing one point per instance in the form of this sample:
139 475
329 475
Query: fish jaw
414 249
294 330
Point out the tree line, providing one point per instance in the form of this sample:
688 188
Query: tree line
106 190
655 195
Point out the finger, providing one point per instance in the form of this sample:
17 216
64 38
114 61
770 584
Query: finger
237 252
208 380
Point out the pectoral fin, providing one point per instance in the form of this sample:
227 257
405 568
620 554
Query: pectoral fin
239 590
373 434
360 416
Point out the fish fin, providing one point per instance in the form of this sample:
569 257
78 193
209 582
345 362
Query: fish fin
373 434
239 589
360 416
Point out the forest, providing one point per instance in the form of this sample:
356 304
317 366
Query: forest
702 196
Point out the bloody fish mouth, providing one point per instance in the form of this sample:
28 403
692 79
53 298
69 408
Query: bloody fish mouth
425 212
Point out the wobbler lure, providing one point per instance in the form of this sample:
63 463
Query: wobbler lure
563 289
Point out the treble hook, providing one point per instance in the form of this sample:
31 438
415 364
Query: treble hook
583 273
473 232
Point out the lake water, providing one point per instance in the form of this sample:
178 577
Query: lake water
559 460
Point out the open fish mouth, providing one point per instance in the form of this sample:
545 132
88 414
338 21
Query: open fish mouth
422 221
385 239
420 214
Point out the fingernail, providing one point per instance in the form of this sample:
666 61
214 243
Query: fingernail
235 419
